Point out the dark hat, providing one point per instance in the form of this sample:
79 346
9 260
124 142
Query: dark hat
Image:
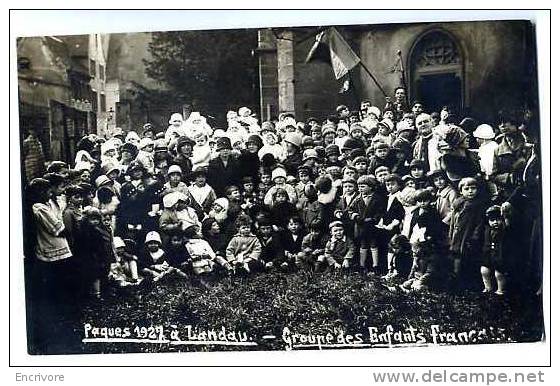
135 165
39 186
311 119
264 221
380 145
310 192
257 140
223 143
182 141
347 180
199 171
268 160
320 152
56 166
332 149
494 212
354 153
54 178
73 190
424 195
307 141
85 144
87 187
352 143
247 180
436 173
360 158
129 147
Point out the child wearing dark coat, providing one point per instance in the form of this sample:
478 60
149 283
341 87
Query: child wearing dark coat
366 213
499 251
97 252
466 232
154 260
339 249
312 246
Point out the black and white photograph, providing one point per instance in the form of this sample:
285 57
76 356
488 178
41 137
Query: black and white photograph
321 187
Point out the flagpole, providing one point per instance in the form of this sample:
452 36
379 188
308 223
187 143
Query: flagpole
403 76
373 77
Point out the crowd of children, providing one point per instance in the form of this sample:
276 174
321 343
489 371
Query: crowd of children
421 200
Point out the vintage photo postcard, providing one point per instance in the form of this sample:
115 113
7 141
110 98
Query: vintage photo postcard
290 188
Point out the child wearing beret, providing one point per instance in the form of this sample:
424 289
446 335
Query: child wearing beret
339 249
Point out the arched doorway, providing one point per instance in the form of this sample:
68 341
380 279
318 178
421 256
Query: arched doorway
436 66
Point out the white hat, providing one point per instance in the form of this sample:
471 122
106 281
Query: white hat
404 125
107 146
174 169
82 165
132 135
145 142
310 153
175 117
278 172
484 131
223 202
170 199
152 236
118 242
231 115
343 126
244 111
102 180
375 110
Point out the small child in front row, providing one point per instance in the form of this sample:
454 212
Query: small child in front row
399 258
203 258
312 246
124 271
498 251
154 262
244 249
339 250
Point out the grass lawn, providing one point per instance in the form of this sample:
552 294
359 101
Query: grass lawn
262 307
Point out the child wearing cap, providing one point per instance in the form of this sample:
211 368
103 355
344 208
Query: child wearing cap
204 260
97 253
273 254
174 181
312 246
202 195
279 178
342 131
485 135
72 215
177 214
157 263
466 231
384 133
124 271
366 212
382 155
339 249
244 249
498 251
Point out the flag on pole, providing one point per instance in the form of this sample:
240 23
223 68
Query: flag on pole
331 47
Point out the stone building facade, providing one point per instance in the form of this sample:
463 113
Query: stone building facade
474 67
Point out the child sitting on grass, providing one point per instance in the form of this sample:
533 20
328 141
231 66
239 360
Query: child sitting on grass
339 250
399 258
203 258
124 272
244 249
312 246
154 262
